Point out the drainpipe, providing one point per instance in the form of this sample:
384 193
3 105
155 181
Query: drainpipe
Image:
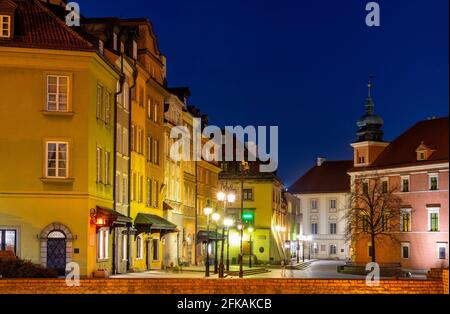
116 94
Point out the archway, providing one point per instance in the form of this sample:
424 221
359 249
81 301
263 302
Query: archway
56 247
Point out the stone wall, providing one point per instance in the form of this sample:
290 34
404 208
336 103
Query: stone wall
223 286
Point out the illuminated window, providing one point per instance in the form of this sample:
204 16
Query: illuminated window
99 102
57 93
405 184
405 220
384 186
102 243
99 165
8 240
107 107
5 26
57 159
248 194
433 219
107 161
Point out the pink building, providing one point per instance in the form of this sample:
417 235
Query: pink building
417 163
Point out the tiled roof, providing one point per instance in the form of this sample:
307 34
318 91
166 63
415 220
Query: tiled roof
37 27
402 151
330 177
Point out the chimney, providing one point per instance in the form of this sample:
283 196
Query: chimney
320 161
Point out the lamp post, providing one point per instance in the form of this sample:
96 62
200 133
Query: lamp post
244 169
207 210
228 222
216 218
298 248
227 195
250 230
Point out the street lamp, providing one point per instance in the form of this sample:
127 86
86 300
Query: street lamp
298 248
250 230
216 218
245 168
207 210
228 222
226 195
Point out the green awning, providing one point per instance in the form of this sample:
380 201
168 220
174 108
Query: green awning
153 223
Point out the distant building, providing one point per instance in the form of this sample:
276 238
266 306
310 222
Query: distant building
416 164
324 192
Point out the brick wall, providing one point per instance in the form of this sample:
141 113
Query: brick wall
222 286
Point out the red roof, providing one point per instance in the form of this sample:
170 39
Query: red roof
402 151
330 177
37 27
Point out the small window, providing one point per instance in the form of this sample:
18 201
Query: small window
107 161
8 240
107 107
57 159
99 102
313 204
433 219
135 50
99 165
126 96
405 184
155 247
248 194
115 41
57 93
333 228
100 46
332 204
149 192
433 182
141 96
333 249
5 26
124 247
384 186
314 228
406 220
442 250
365 188
405 250
369 250
156 110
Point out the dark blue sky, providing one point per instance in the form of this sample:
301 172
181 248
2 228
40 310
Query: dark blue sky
301 65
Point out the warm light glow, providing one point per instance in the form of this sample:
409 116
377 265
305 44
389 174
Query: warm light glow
100 222
228 222
216 217
299 236
208 210
221 196
231 197
239 226
234 239
250 229
278 228
283 229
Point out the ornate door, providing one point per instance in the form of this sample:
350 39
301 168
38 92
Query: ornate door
56 251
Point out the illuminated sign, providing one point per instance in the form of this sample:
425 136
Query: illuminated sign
248 216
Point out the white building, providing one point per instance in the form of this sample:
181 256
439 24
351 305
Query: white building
324 193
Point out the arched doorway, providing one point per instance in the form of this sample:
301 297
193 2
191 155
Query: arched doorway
56 251
56 247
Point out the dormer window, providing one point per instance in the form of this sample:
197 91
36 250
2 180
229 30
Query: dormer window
5 26
423 152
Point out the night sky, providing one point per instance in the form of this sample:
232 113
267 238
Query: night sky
301 65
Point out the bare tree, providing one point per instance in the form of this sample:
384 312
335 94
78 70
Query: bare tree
375 211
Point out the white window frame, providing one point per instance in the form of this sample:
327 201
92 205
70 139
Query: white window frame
387 184
314 201
107 162
405 244
430 176
103 243
126 96
333 203
401 183
335 249
8 23
125 148
124 247
57 143
317 227
125 199
335 227
432 210
407 211
99 157
157 250
107 107
58 93
440 245
118 187
119 136
139 247
100 90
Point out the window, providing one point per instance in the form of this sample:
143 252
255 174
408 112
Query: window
384 186
139 248
107 107
125 190
314 228
405 250
332 204
149 192
132 137
361 159
8 240
433 219
433 182
405 184
102 243
57 159
365 223
5 26
149 108
126 96
107 154
369 250
333 228
119 139
99 165
141 96
124 247
156 152
405 222
135 50
333 249
99 102
442 250
141 188
155 247
315 248
365 188
385 221
100 46
139 141
248 194
57 93
314 204
149 149
125 141
118 188
155 113
155 195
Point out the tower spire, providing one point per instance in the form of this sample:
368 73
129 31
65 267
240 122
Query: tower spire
369 102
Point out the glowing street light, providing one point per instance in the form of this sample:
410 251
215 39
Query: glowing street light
207 210
250 231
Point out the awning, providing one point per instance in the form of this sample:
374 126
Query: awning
202 236
152 223
113 218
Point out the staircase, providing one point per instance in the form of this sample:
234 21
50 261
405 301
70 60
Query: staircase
248 272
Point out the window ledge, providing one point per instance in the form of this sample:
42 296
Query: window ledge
58 113
58 180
